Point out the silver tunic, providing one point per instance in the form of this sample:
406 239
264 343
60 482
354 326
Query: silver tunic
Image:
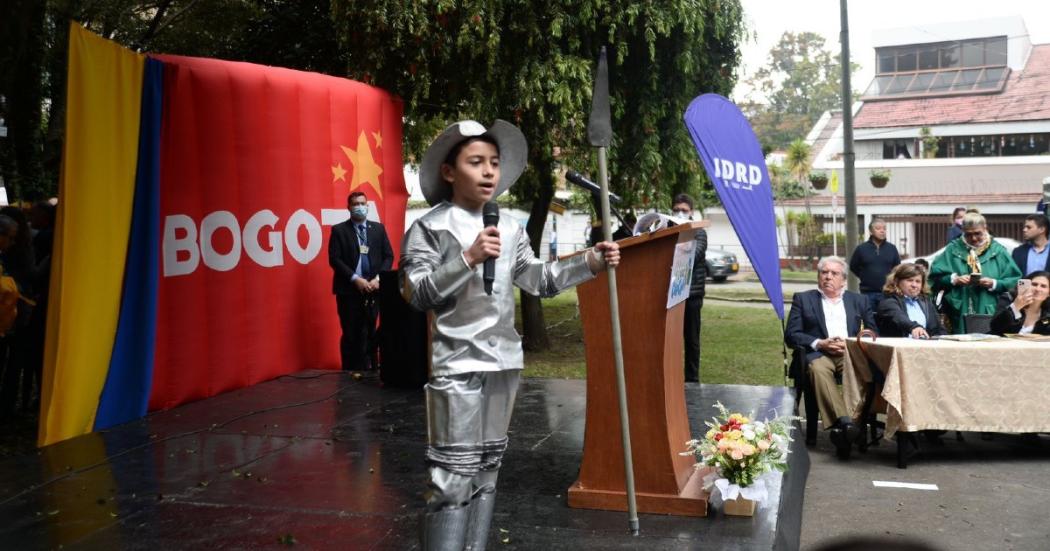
470 330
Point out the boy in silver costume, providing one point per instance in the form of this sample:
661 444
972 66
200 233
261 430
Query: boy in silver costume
476 355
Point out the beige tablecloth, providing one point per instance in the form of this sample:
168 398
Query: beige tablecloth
991 386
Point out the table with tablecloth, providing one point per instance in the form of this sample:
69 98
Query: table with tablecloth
999 385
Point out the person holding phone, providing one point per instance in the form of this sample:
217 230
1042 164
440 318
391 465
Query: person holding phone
1029 311
905 309
973 270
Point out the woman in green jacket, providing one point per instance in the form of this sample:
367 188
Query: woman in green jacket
973 270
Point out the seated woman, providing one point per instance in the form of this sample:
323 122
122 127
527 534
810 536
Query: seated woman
906 309
1029 312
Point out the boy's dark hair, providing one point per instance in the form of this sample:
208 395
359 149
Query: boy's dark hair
682 198
450 159
1041 221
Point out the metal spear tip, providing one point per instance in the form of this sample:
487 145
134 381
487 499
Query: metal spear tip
599 127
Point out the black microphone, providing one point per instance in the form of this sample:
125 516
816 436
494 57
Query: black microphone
582 181
490 215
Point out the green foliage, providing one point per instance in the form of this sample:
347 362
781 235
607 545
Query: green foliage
930 143
818 177
802 80
827 239
797 160
880 174
533 65
791 189
290 33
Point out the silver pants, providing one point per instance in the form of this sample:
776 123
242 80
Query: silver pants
467 420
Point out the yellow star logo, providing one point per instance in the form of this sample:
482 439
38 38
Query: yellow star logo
379 139
338 173
366 171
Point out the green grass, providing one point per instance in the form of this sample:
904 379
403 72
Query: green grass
748 295
792 276
739 345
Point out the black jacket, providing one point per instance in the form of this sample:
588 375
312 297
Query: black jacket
805 323
873 263
699 284
893 321
343 254
1004 322
1020 256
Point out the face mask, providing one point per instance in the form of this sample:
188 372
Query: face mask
359 211
679 216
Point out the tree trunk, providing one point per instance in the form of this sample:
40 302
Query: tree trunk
534 329
24 115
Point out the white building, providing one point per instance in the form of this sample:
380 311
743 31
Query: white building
983 91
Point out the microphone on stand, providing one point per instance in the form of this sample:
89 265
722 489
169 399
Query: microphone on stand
582 181
490 216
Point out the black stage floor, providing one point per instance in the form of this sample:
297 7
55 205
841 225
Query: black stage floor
323 461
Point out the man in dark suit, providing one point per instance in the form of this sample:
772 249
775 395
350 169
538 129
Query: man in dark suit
357 251
1033 255
820 322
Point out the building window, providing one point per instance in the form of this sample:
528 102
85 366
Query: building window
1000 145
949 68
896 149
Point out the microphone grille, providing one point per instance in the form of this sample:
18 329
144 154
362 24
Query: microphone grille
490 211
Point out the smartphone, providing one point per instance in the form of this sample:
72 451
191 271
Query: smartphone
975 280
1023 286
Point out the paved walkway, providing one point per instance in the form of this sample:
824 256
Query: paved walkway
991 494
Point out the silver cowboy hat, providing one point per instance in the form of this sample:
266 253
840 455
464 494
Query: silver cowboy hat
513 150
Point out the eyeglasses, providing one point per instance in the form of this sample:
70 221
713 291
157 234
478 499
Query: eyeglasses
973 233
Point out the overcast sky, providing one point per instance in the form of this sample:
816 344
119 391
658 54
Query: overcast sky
769 19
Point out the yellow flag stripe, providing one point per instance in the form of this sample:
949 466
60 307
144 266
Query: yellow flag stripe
104 93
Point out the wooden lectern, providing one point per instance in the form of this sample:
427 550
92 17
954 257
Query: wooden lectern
665 481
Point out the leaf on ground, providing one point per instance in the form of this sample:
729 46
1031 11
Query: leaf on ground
286 539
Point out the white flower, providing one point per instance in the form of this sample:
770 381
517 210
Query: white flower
749 434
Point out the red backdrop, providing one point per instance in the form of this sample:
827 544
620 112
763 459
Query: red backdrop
256 164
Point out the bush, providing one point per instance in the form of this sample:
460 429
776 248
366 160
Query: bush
880 174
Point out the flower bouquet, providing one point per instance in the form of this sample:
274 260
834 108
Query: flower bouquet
741 451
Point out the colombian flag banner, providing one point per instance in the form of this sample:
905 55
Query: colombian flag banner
196 203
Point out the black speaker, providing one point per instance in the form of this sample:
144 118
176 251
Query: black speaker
403 349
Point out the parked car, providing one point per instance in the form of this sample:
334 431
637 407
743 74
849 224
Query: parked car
1010 245
721 264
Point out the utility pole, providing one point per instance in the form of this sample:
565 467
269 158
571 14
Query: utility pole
848 157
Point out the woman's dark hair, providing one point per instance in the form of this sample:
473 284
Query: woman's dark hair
450 159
